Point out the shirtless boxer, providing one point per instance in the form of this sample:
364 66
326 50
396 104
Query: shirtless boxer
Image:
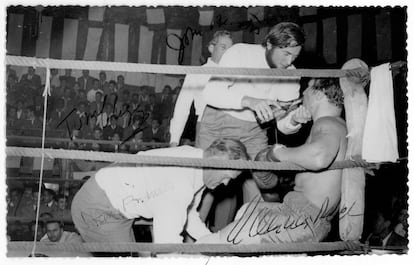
305 213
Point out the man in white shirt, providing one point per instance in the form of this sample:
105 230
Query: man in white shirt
105 207
56 234
193 86
235 104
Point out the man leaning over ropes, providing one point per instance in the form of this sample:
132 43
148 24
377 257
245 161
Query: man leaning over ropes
305 213
104 208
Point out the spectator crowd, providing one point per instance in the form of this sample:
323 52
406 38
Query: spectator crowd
89 108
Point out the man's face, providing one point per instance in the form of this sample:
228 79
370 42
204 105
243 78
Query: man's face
95 84
62 203
85 73
281 58
220 47
47 197
54 232
120 80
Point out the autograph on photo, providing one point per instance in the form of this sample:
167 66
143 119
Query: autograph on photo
262 221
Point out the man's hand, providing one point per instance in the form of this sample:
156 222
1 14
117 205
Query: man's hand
261 107
300 115
173 144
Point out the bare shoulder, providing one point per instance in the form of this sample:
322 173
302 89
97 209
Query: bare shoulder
330 124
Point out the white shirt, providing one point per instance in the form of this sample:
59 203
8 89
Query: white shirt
67 237
91 94
161 193
227 93
191 91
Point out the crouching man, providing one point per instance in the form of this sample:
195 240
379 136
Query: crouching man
305 213
104 208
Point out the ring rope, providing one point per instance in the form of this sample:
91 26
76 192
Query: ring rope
188 247
180 69
46 93
87 141
172 161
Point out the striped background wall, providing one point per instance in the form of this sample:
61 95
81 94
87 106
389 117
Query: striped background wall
141 34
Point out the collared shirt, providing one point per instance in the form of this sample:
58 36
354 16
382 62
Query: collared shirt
191 91
227 93
161 193
67 237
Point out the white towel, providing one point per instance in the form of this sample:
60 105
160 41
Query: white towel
380 136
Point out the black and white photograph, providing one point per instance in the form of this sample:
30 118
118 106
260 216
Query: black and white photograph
146 132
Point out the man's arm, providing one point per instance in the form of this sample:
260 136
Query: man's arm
195 226
170 215
183 105
320 151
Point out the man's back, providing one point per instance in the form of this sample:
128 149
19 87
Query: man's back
324 187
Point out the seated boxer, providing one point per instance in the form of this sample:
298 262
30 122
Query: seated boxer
105 207
305 213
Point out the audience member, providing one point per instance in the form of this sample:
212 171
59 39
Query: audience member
103 84
54 78
87 131
69 79
112 128
103 117
124 119
13 201
49 205
32 80
62 212
85 81
155 133
68 102
11 118
97 106
132 129
57 115
25 208
110 88
91 95
56 233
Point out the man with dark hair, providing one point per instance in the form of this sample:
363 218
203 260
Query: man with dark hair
238 107
105 207
55 233
305 213
49 203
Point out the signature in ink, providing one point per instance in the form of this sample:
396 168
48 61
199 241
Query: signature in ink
99 217
260 221
70 119
184 41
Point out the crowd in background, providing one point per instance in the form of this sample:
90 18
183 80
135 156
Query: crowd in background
90 108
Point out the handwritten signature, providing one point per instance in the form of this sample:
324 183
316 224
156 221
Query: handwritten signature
184 41
253 24
261 221
84 120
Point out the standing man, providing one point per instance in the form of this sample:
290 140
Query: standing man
105 207
235 104
193 87
305 214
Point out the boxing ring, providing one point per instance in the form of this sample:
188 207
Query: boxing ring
349 240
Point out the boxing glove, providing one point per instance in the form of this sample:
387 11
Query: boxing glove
265 179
